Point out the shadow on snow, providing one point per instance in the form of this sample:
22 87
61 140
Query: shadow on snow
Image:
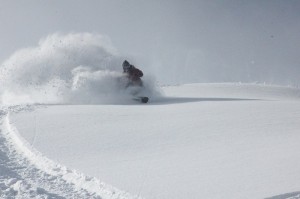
178 100
286 195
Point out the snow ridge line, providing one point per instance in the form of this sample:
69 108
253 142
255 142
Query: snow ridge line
83 186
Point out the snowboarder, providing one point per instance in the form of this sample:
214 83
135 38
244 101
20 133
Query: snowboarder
133 74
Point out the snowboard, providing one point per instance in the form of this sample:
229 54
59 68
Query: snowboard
141 99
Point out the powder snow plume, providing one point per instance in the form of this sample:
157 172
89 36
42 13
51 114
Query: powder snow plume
75 68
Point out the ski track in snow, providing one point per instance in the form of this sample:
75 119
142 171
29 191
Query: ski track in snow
25 173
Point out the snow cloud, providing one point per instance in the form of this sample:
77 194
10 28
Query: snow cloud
65 68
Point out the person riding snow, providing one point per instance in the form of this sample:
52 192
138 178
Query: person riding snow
133 74
134 82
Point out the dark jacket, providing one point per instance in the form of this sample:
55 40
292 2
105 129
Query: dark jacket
133 74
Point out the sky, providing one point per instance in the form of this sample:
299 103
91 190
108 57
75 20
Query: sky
176 41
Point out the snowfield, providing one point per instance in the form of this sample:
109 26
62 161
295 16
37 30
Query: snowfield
26 173
198 141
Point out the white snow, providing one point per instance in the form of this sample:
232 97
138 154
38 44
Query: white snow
81 131
75 68
199 141
26 173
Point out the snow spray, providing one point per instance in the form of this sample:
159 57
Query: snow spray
76 68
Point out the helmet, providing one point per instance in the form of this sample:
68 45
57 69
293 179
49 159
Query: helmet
126 66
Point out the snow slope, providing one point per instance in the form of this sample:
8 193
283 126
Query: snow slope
26 173
200 141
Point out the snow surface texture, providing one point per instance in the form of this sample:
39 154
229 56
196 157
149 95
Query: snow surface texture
202 141
81 68
25 173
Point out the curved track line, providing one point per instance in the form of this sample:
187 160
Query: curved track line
26 173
